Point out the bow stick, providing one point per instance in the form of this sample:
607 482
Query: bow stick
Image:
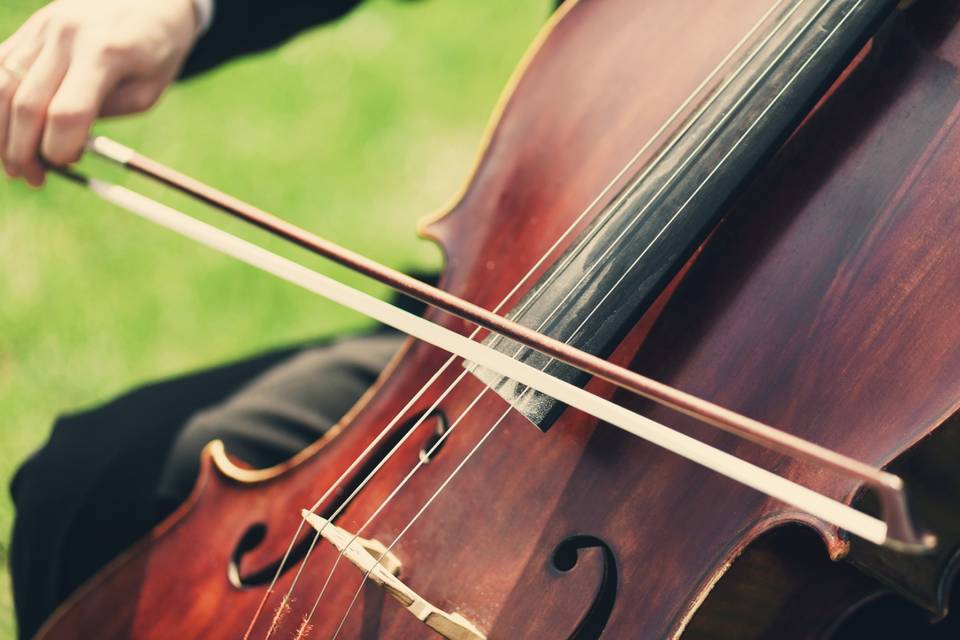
895 530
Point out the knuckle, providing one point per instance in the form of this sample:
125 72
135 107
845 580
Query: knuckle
25 108
10 168
143 100
63 30
13 163
112 52
7 88
68 117
60 155
16 159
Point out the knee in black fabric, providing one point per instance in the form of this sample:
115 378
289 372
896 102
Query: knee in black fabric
280 413
247 435
64 494
38 490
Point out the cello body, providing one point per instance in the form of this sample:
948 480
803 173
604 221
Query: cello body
824 303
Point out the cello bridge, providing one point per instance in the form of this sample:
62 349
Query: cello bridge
383 568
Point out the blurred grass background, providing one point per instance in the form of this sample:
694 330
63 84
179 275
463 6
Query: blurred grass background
354 130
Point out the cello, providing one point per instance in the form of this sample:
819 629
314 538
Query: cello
742 212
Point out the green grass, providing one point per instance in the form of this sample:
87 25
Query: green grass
354 131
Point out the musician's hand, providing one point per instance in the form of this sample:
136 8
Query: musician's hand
75 60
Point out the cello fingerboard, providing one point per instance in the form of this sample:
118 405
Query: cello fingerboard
645 233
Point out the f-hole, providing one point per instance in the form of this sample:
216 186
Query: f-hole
565 558
256 533
440 427
250 540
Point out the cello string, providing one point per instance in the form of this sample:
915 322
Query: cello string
539 263
608 249
599 261
611 211
683 206
551 250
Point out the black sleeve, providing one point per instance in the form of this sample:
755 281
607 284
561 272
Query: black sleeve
246 26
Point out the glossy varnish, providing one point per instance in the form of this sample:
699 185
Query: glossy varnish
825 303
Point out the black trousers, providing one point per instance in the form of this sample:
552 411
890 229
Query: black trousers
107 476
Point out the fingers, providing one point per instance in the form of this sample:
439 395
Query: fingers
17 52
8 86
72 111
75 53
10 81
28 110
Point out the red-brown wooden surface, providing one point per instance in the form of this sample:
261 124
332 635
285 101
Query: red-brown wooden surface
825 304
